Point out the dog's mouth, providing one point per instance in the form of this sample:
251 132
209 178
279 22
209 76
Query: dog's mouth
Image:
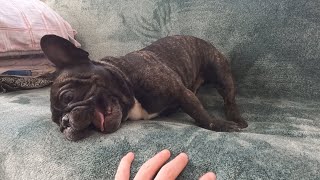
101 116
108 119
104 117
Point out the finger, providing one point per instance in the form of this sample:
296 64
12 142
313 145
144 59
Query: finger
151 167
172 169
123 172
208 176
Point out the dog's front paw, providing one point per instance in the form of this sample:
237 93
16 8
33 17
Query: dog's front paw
225 126
243 123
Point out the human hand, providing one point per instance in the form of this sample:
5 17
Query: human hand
149 169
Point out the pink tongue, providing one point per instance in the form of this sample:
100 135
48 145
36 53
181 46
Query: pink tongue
99 120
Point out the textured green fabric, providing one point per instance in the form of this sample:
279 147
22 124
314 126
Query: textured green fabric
274 50
273 45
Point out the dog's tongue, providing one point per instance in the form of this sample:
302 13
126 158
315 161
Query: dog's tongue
99 120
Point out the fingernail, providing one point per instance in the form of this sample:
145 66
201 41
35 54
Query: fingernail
130 154
166 151
211 175
185 155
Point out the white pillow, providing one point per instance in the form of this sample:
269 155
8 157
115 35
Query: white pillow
24 22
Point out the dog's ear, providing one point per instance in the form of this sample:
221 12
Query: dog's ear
62 52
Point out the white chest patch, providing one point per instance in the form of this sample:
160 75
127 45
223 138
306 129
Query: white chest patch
138 113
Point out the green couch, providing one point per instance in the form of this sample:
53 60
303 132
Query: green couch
274 51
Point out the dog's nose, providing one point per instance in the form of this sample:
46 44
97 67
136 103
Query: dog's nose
65 120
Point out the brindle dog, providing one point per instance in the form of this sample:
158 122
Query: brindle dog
140 85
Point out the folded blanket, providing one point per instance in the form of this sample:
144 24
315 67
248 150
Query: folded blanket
13 83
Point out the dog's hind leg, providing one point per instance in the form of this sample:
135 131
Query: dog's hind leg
219 72
193 107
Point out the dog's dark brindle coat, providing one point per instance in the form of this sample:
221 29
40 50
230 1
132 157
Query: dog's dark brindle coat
160 77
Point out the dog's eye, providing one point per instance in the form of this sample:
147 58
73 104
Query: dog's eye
67 97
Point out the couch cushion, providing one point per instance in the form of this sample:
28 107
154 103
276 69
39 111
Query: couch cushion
282 142
273 45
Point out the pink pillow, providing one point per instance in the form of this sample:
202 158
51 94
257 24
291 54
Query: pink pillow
24 22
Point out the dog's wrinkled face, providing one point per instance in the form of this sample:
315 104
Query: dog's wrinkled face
77 101
85 93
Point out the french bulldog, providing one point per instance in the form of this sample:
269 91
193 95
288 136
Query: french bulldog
141 85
